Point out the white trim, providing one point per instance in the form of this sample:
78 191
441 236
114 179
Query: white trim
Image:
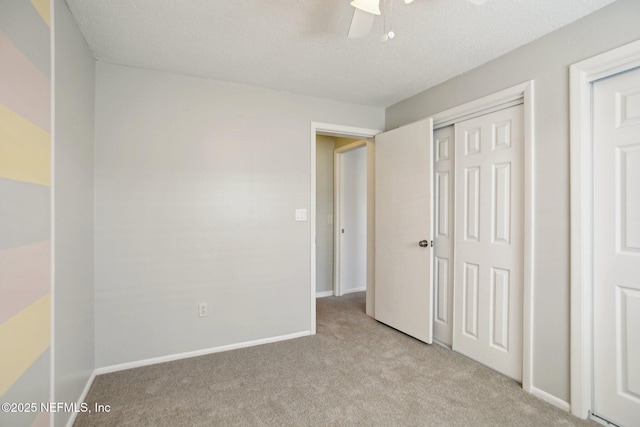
529 237
189 354
335 130
324 294
82 398
521 93
549 398
337 220
582 75
338 185
477 113
343 131
352 146
509 96
354 290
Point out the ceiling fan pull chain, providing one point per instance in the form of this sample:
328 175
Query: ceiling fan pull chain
387 17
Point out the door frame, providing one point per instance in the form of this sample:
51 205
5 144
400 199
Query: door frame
348 132
582 76
338 184
522 93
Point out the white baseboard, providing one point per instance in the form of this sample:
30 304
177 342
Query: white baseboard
351 291
549 398
324 294
83 396
186 355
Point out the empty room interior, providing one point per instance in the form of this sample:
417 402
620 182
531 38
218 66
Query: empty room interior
368 212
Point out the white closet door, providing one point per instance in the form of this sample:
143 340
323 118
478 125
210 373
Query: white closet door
489 236
443 163
616 238
403 219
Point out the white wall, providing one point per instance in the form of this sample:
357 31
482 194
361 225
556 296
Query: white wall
324 208
353 251
73 344
547 62
197 182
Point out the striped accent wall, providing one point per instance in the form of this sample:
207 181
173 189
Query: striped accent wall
25 208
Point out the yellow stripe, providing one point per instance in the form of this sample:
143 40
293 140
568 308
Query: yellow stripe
23 338
44 9
25 149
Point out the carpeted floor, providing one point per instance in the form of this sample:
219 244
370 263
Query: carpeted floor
355 371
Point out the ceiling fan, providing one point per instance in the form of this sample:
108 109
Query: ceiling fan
366 11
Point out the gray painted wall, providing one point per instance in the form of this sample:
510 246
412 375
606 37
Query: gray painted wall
73 209
547 62
197 182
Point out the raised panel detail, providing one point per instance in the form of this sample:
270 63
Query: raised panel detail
442 152
501 135
470 300
628 196
472 142
442 289
501 202
500 285
442 197
629 339
628 108
472 203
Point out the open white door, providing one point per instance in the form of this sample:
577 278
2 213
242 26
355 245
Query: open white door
403 290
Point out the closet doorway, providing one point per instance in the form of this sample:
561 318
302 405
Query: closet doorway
478 165
605 236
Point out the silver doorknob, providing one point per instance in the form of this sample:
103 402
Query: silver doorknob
423 244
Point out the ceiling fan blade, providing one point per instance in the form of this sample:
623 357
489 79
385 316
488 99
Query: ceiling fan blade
360 24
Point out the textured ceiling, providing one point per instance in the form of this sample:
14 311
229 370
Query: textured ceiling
301 46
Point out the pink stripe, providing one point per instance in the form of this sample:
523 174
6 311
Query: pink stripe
24 277
23 87
42 420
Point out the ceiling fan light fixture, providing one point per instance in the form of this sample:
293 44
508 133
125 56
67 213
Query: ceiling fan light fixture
370 6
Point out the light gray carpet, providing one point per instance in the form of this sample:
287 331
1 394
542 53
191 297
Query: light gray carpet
355 371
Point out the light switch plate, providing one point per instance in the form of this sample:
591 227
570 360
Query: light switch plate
329 219
301 214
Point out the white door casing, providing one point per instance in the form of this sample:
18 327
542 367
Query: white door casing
489 240
582 76
403 210
443 165
616 248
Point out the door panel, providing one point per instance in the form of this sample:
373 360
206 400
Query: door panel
616 237
489 233
443 243
353 221
403 294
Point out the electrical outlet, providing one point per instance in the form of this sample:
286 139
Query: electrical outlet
202 309
329 219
